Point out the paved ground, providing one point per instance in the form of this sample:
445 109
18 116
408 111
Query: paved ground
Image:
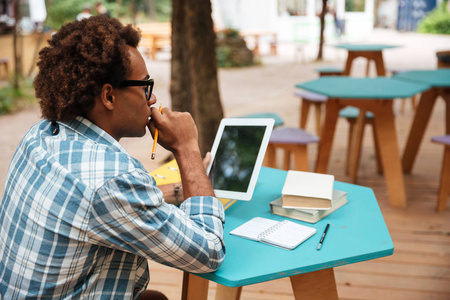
268 87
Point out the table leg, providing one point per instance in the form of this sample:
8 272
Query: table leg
351 133
194 287
348 64
444 188
287 159
153 47
376 141
327 136
445 94
389 153
420 122
304 112
256 49
379 63
356 146
270 158
318 285
228 293
368 68
300 157
318 111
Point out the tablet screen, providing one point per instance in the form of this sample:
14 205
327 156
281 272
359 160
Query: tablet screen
237 156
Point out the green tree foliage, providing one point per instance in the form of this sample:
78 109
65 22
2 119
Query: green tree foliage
163 10
437 21
12 98
63 11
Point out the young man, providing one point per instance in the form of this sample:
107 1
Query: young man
79 217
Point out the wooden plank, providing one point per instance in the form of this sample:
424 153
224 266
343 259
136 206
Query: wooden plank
349 292
381 267
423 248
418 258
420 285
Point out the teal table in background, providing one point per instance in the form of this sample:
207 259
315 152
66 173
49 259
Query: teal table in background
367 94
357 233
370 52
439 80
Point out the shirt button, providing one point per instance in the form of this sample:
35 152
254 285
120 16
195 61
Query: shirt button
137 290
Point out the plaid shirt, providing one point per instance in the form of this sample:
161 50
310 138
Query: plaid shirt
79 217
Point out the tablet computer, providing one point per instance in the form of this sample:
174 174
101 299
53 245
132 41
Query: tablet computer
237 155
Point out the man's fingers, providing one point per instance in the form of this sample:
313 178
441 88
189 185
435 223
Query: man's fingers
207 160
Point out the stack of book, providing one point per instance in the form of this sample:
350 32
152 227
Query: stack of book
308 197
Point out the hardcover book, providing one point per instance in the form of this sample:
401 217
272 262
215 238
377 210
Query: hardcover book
339 199
307 190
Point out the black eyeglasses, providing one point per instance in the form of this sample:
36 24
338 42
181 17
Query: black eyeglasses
148 83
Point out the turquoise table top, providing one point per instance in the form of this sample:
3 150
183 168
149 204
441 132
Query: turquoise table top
435 78
357 233
363 88
365 47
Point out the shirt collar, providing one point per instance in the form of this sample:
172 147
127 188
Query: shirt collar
91 131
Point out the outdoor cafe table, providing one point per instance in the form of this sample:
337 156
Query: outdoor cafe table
357 233
367 94
439 80
370 52
256 34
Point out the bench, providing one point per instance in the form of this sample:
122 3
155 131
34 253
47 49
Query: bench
156 37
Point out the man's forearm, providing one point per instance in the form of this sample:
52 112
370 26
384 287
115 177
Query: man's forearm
193 175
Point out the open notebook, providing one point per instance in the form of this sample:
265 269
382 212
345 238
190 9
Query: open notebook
284 234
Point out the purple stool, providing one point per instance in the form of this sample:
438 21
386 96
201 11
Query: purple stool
308 99
444 186
292 141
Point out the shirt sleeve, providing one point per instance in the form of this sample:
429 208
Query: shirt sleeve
129 214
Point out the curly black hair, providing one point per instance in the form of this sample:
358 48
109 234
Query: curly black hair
80 58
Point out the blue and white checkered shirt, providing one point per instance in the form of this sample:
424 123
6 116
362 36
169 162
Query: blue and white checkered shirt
79 217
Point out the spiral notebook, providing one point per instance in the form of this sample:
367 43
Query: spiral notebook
284 234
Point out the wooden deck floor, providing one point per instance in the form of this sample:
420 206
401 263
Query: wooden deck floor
420 265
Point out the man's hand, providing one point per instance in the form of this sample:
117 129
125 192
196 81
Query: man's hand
178 134
207 160
177 130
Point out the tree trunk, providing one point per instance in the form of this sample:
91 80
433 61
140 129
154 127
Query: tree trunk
322 29
133 11
194 86
18 46
180 85
151 7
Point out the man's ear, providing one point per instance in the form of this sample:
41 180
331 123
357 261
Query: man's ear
107 96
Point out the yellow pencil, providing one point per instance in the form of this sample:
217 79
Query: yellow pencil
155 140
